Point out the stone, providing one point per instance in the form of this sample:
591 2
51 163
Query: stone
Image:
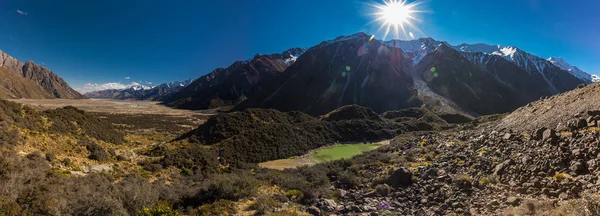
563 196
591 122
327 205
507 136
538 134
581 123
578 167
513 201
577 153
549 135
592 164
499 169
314 211
593 112
400 177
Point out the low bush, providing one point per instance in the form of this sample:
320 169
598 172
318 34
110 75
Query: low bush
220 207
264 204
229 187
97 152
195 160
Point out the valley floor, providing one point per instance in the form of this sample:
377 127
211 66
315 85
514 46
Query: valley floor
322 155
112 106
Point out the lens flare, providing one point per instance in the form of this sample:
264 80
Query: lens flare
397 15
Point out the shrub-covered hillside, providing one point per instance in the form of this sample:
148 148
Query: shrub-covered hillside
257 135
67 120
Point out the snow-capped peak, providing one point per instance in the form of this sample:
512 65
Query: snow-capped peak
415 49
418 49
141 87
561 63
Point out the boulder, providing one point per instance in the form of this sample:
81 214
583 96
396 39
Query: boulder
549 135
591 122
538 134
314 211
513 201
400 177
578 167
581 123
499 169
327 205
593 112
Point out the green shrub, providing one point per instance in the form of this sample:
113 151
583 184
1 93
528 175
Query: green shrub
294 194
97 152
382 189
264 204
220 207
229 187
159 211
348 180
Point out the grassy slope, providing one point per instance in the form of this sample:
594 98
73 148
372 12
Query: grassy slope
343 151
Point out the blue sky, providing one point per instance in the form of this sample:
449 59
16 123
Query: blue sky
160 41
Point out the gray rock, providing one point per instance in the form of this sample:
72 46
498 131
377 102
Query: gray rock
563 196
513 201
507 136
327 205
592 164
578 167
500 168
538 134
549 135
591 122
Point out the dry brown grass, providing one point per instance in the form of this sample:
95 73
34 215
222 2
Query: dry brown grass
588 205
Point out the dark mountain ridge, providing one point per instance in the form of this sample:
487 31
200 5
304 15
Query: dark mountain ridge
231 85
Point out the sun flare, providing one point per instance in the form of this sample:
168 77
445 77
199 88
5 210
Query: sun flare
397 15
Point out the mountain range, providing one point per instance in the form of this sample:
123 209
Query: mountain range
142 92
30 80
472 79
234 84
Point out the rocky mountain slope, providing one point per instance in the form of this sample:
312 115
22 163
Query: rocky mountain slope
43 77
555 112
154 93
359 70
12 85
231 85
347 70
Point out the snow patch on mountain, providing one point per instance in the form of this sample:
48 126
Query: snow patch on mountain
415 49
418 49
355 36
561 63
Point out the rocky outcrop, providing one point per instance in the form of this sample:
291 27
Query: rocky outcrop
558 112
48 80
51 82
12 85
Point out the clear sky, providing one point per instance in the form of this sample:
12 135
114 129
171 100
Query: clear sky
160 41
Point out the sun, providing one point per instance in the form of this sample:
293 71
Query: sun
397 15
